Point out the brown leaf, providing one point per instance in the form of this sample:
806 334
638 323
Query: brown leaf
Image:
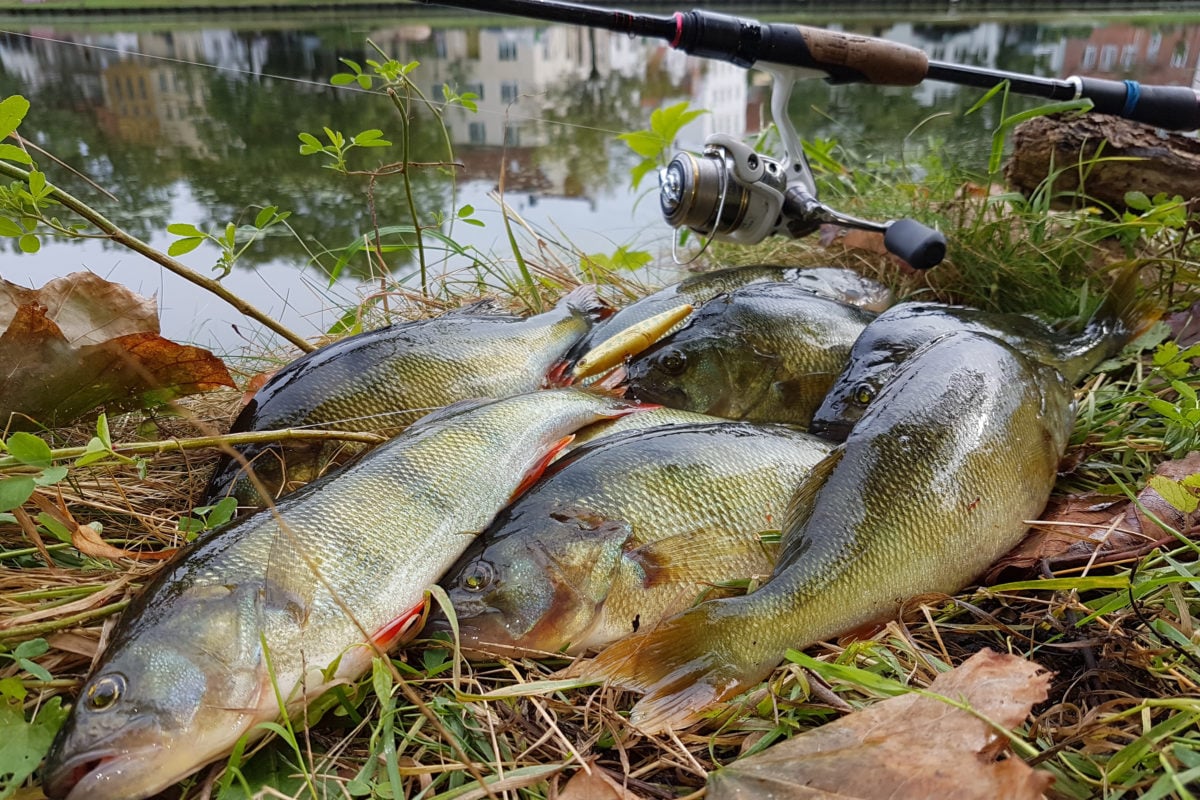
598 785
1185 326
910 746
86 308
1099 529
71 351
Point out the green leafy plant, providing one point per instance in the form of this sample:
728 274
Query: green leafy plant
654 144
232 241
34 468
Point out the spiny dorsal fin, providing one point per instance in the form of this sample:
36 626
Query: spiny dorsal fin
800 507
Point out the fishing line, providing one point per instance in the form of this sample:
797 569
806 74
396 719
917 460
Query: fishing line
355 89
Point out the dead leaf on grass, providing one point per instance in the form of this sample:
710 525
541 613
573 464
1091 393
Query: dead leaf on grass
598 785
82 342
908 747
1100 529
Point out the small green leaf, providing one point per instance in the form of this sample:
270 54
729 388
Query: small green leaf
264 216
29 244
10 152
364 81
29 449
37 183
184 229
180 247
35 669
466 211
55 528
12 110
10 228
343 79
644 143
50 476
1137 201
1174 493
309 139
14 491
103 432
12 687
31 648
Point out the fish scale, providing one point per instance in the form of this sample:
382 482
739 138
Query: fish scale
933 484
766 352
630 528
383 380
188 652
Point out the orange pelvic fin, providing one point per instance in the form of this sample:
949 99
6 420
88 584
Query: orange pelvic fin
538 468
408 622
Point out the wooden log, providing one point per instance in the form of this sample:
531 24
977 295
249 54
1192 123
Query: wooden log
1112 156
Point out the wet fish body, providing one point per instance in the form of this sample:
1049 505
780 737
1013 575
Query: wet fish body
385 379
843 285
933 484
897 332
186 672
625 531
655 417
762 353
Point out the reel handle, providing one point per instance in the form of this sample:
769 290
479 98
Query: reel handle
919 245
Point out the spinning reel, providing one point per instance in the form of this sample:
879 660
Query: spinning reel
731 193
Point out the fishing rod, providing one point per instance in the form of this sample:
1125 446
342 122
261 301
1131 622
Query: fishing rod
852 58
732 193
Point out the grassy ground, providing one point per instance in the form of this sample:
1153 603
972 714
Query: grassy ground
1117 628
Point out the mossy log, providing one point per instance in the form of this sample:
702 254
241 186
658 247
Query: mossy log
1110 155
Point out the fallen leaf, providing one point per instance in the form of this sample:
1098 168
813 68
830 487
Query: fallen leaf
596 785
1185 326
81 342
911 746
1100 529
254 384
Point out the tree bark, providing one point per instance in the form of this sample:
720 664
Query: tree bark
1108 155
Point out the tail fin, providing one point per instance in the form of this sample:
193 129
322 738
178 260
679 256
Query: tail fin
684 666
1121 318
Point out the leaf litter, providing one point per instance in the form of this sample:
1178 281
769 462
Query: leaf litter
946 741
1122 689
81 342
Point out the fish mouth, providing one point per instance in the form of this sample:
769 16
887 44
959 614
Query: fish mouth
830 430
108 774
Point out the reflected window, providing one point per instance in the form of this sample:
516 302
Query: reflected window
1128 55
1152 48
508 50
1089 57
509 91
476 88
1108 57
1179 57
439 45
512 136
477 132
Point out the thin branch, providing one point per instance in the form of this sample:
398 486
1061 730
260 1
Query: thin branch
121 237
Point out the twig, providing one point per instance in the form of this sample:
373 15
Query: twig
116 234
